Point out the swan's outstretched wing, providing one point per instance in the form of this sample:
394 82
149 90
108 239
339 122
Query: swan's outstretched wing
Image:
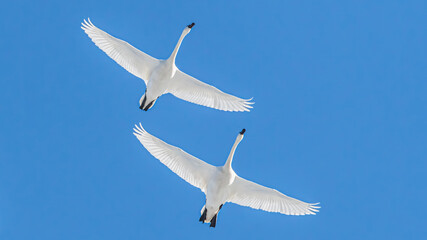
190 89
191 169
250 194
134 61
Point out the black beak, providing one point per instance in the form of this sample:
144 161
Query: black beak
191 25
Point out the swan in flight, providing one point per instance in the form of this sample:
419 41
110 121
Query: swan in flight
221 184
162 76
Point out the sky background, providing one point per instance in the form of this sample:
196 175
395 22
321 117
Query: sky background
339 118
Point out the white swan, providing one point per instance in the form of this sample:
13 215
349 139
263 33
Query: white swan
221 184
162 76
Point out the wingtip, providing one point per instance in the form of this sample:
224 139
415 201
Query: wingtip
314 208
248 104
315 205
248 101
243 131
87 23
138 129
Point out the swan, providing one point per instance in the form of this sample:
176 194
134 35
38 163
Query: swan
162 76
221 184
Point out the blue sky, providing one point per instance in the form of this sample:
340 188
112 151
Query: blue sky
340 118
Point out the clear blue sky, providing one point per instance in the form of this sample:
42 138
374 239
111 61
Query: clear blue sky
340 118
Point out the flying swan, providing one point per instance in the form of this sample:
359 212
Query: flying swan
221 184
162 76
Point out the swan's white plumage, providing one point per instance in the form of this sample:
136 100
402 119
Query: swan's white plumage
250 194
190 89
167 78
133 60
203 175
191 169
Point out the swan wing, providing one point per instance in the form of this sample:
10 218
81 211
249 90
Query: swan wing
133 60
191 169
250 194
192 90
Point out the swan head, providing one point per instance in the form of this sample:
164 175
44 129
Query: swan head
191 25
188 28
240 136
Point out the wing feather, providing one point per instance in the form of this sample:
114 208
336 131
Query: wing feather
192 90
250 194
191 169
133 60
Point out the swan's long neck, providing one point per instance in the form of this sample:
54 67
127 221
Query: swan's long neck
233 149
175 51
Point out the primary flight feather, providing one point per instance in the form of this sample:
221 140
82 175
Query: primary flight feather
162 76
221 184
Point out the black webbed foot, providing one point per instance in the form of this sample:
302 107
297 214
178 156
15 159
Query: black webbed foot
213 221
203 217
